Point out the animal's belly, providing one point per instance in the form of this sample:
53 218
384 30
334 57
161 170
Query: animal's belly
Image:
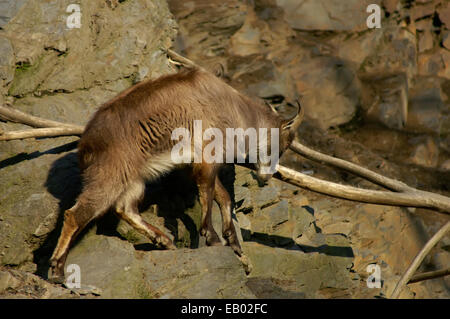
158 165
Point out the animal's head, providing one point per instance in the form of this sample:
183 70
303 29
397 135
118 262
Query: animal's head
289 127
278 143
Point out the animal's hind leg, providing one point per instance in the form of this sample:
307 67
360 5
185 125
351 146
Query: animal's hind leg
127 209
223 199
75 220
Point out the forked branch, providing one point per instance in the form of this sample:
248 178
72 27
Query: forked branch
402 195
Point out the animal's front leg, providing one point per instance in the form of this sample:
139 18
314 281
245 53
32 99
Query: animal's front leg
223 199
205 178
228 228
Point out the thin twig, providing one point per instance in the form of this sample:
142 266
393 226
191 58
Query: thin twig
350 167
418 260
429 275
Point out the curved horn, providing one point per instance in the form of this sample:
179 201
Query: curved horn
296 119
271 107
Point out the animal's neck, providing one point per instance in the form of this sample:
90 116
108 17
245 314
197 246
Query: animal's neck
258 116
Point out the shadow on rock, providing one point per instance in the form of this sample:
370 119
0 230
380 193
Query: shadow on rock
171 196
270 288
29 156
176 199
64 183
288 243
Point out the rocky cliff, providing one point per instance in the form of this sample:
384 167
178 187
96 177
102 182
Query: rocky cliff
376 97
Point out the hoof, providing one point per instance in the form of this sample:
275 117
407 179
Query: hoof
246 264
165 243
236 248
56 273
233 242
58 280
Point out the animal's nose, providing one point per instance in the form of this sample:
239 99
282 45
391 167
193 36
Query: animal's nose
262 179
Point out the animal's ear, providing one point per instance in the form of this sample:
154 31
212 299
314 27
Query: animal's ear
295 121
219 70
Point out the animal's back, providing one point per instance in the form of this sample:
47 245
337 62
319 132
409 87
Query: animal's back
138 123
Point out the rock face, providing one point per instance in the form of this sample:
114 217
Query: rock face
326 15
379 98
65 75
9 9
119 271
6 63
281 273
84 63
267 51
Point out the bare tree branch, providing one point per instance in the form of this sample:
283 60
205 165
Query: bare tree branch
40 132
13 115
419 258
429 275
410 198
350 167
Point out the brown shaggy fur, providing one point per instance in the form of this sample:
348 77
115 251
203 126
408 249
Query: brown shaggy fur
128 141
